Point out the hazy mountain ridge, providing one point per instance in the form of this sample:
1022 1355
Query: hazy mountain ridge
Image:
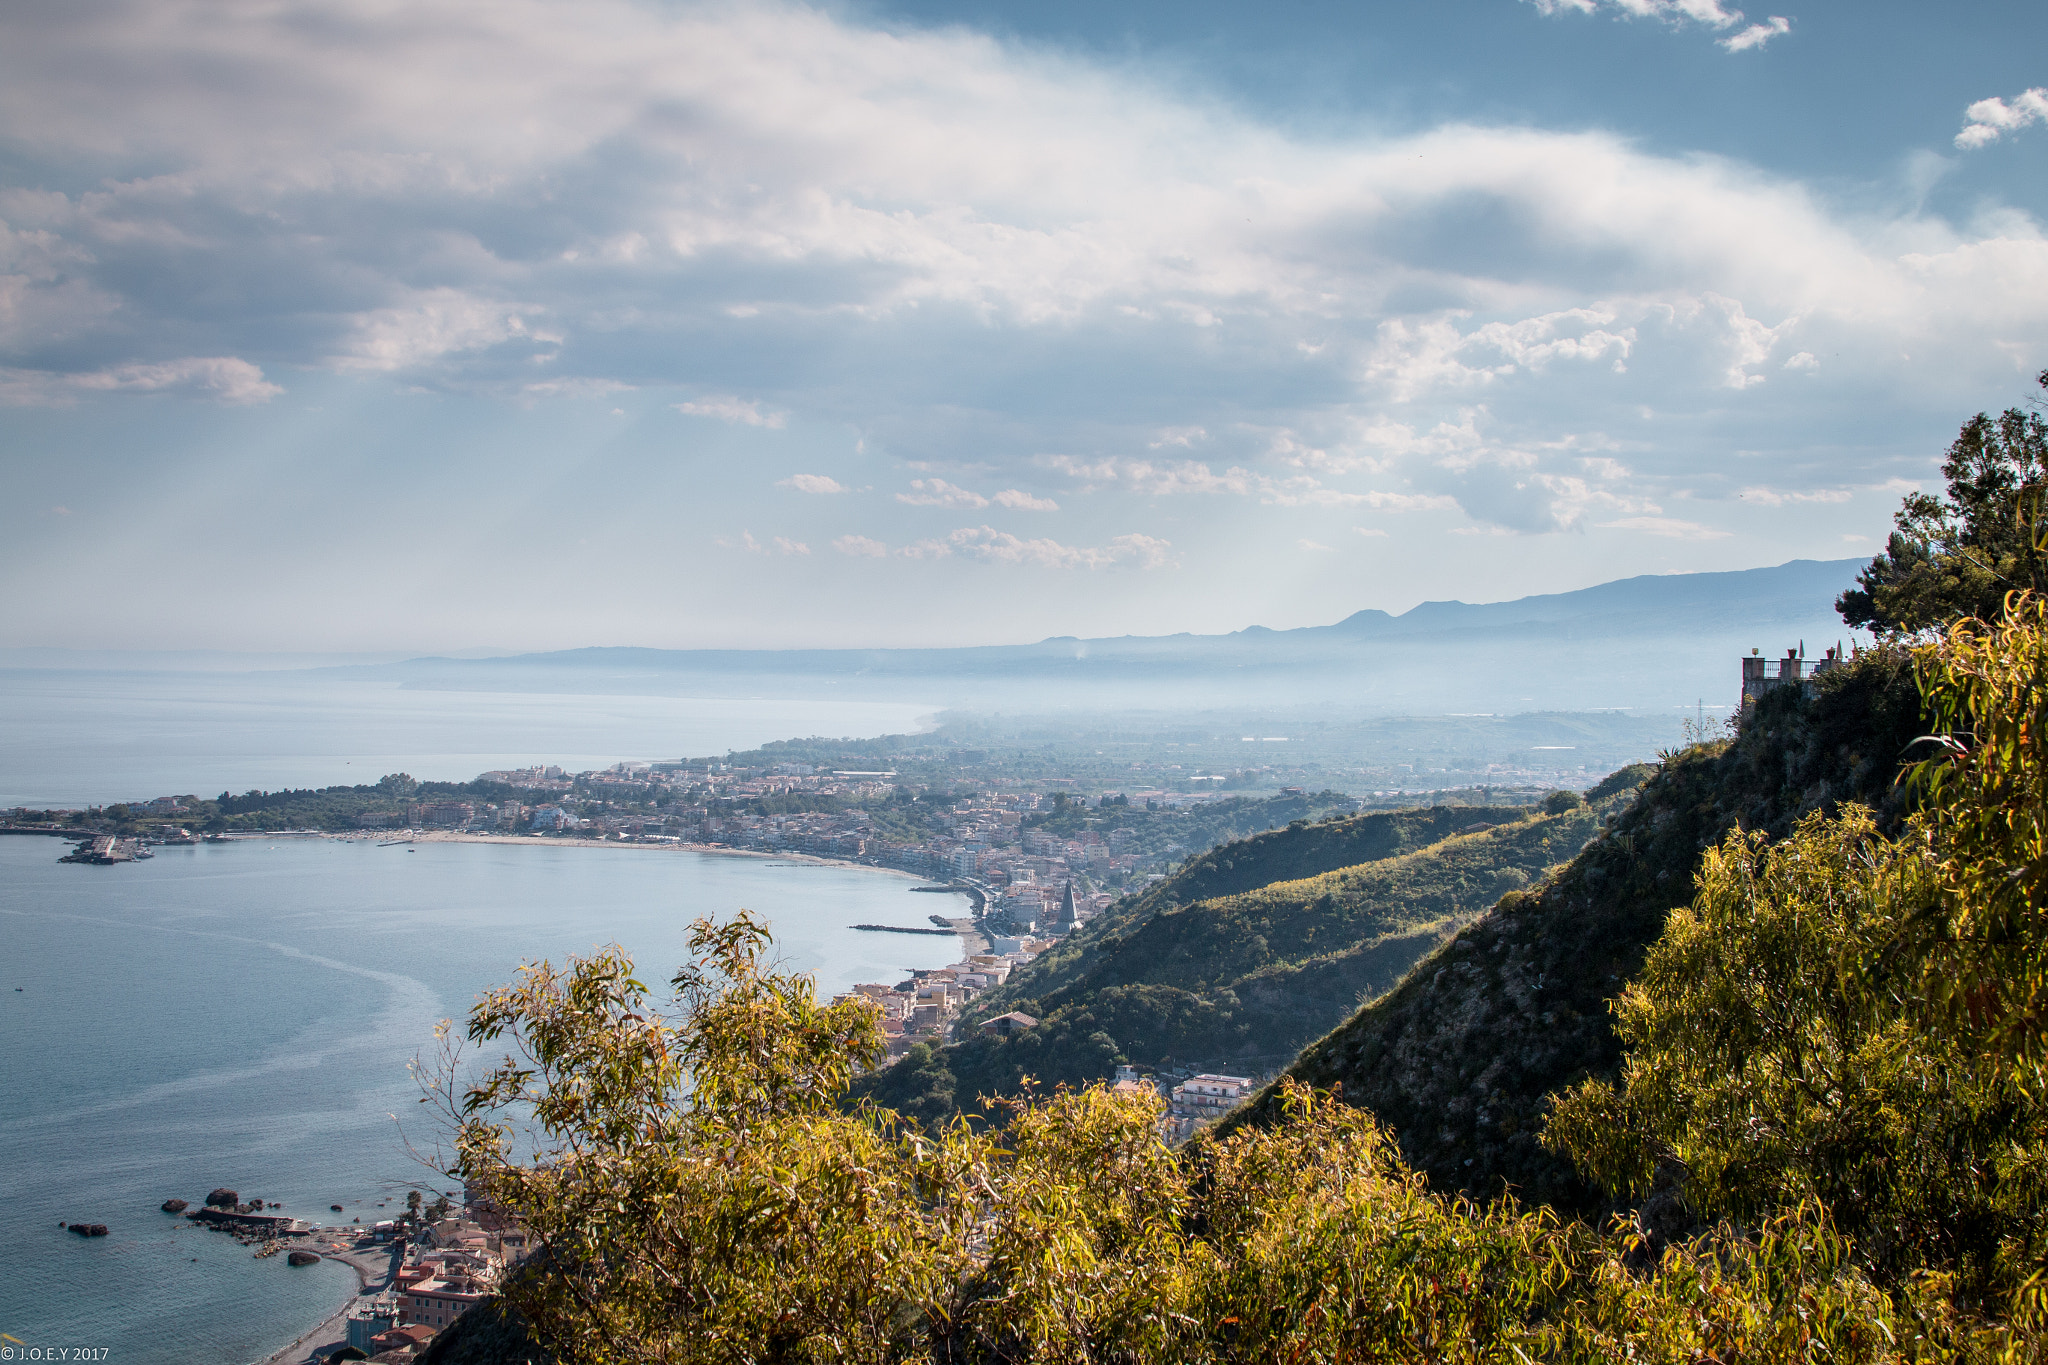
1644 641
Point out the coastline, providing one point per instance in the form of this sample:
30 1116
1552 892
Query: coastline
972 940
331 1331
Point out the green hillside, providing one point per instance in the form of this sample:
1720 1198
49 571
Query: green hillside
1461 1059
1245 978
1301 849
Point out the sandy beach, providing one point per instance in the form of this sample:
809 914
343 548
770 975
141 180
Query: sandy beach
373 1267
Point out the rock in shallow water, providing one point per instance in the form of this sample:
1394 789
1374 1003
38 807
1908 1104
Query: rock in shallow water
302 1258
175 1206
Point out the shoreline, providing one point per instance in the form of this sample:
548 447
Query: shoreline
972 939
331 1331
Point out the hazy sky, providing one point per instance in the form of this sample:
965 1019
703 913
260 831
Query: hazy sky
363 324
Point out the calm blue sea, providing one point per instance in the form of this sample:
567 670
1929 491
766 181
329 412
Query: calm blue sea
70 738
242 1015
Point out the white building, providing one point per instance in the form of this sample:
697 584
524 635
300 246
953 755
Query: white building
1203 1099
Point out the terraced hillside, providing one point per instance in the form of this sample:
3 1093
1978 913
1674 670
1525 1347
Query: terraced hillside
1244 977
1461 1058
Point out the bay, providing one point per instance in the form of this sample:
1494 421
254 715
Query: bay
243 1015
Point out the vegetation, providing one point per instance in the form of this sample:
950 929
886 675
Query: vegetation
1984 942
1958 557
704 1196
1254 967
1779 1052
1463 1060
1298 848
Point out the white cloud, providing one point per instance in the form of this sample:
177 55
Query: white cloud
1018 500
1155 479
226 379
1368 531
1756 35
1987 119
1151 477
726 408
988 544
812 483
1410 502
939 493
1669 527
781 545
577 388
860 547
773 199
1678 13
431 324
1779 497
1313 546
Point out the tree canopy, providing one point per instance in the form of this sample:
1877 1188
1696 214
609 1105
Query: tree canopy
1959 556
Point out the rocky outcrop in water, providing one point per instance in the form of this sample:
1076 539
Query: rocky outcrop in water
175 1206
223 1199
88 1229
302 1258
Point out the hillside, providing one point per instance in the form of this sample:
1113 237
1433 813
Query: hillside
1461 1058
1240 959
1301 849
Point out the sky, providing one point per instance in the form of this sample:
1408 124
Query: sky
357 325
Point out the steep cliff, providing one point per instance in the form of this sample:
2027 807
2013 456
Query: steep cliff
1461 1058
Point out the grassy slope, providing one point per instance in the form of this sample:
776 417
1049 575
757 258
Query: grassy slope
1298 850
1461 1058
1245 978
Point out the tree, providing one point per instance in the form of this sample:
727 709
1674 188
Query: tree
1863 1021
1984 942
1959 556
699 1196
1779 1054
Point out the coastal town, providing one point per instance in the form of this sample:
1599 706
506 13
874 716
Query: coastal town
417 1272
1010 834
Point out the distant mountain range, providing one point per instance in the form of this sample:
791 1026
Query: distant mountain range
1656 641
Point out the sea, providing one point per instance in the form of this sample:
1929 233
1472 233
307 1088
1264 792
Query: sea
75 737
246 1014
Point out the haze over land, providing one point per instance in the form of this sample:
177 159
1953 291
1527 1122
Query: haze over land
1651 642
